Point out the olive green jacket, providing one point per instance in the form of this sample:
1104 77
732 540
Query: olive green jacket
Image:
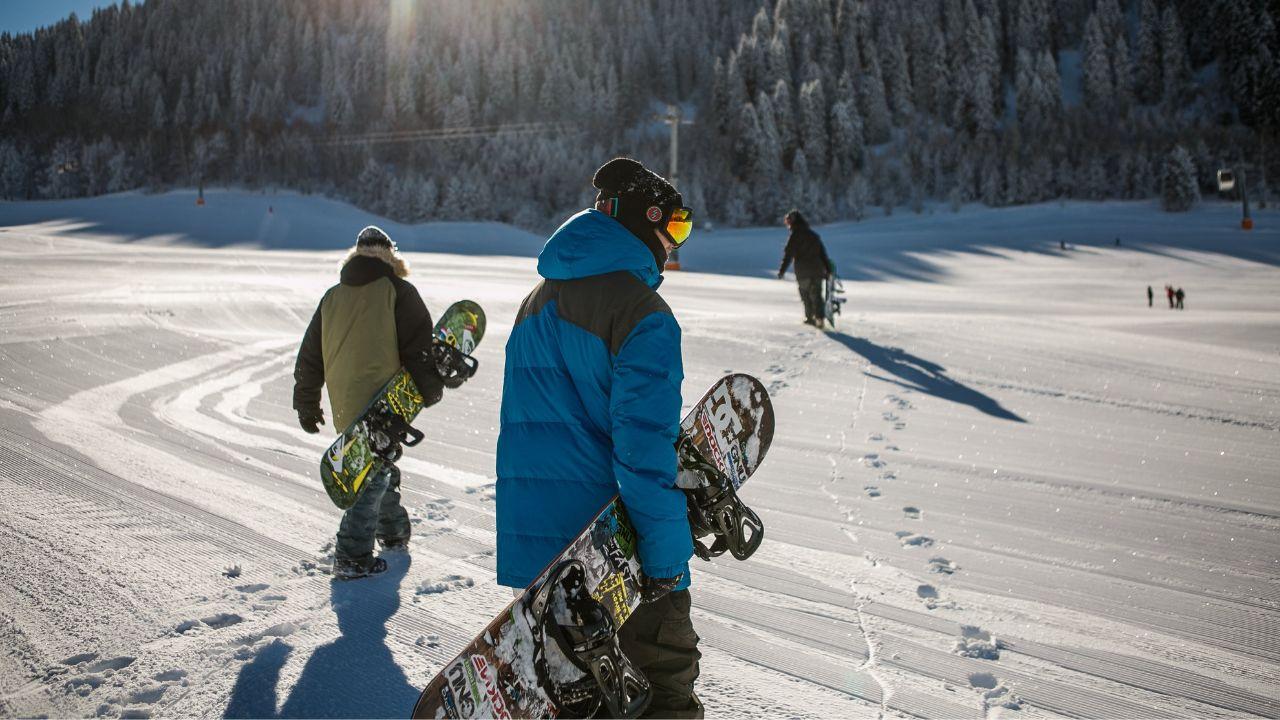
366 328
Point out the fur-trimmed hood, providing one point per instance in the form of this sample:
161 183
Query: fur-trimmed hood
387 255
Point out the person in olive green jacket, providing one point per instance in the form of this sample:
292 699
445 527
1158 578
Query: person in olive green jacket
366 328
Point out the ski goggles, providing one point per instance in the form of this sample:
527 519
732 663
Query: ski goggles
678 226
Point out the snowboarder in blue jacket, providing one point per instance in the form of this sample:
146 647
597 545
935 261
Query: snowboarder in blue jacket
591 409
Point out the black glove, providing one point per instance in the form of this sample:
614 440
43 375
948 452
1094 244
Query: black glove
782 274
311 420
654 588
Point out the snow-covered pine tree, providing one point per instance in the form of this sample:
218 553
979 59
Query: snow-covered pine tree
813 125
1148 79
1178 187
872 104
1175 67
857 195
847 145
1099 94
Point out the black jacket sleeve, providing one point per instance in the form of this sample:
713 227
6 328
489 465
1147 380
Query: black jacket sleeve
788 253
308 371
415 332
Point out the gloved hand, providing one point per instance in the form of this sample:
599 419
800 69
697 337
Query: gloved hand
782 274
311 420
654 588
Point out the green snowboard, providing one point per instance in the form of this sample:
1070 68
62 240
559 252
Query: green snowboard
377 436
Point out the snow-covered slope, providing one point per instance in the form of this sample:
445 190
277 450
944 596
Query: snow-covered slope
1004 485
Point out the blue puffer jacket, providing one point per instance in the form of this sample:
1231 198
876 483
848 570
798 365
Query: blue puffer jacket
591 405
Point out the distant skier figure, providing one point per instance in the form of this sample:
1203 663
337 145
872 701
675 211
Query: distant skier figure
1150 296
591 409
366 328
1179 295
1168 290
812 266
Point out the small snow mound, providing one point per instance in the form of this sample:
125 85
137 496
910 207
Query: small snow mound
427 641
81 658
872 491
281 630
173 675
927 591
148 696
232 571
977 643
444 584
911 512
255 587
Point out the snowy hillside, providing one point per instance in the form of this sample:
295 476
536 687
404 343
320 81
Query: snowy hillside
1005 486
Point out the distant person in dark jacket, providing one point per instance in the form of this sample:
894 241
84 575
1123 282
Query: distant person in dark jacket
366 328
1150 296
1168 291
1179 295
805 248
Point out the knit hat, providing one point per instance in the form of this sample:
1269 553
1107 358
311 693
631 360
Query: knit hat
374 235
373 242
638 198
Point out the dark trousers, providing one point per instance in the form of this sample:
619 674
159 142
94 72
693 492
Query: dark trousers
377 512
659 639
811 296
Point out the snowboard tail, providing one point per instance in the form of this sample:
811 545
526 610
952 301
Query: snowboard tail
594 585
382 431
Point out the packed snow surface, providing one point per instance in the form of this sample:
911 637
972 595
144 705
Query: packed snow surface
1003 486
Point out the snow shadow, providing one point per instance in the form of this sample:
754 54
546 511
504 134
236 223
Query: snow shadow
924 376
353 676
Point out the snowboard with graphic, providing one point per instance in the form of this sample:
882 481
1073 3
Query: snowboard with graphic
832 296
378 434
502 673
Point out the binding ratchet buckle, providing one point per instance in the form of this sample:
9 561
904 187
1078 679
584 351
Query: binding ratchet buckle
390 435
715 509
454 366
586 635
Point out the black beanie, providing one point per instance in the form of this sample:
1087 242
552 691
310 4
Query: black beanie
638 191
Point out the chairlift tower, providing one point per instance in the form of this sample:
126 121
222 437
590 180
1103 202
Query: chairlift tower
675 120
1227 179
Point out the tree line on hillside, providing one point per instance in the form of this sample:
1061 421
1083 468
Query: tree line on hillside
837 106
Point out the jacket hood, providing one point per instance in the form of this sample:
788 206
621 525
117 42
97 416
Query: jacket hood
362 263
592 243
361 269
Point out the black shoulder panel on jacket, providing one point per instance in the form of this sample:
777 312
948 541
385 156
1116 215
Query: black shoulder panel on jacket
414 335
608 306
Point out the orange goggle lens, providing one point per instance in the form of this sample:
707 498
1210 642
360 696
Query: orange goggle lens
680 225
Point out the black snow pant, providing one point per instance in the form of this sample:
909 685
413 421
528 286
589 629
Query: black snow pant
377 512
659 639
811 296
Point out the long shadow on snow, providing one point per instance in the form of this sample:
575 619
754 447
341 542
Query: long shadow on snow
921 375
353 676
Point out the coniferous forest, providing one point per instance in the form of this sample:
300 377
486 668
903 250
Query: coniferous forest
500 110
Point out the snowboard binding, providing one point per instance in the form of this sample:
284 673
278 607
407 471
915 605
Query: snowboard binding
715 509
454 366
586 634
390 434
